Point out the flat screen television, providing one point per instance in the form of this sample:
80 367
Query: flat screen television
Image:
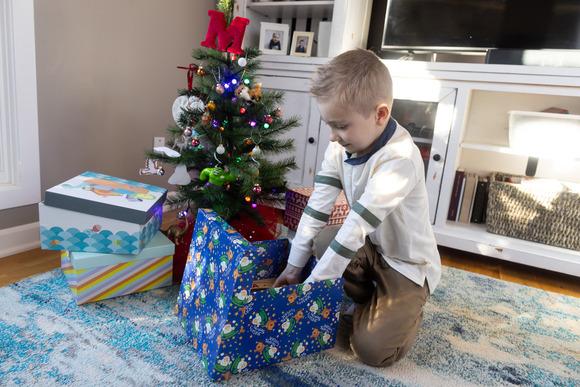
474 25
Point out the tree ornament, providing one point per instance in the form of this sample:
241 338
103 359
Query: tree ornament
268 119
206 118
180 176
220 149
242 110
151 167
278 112
160 171
211 105
242 62
230 37
257 189
216 176
183 103
247 94
195 142
219 88
187 132
200 71
257 151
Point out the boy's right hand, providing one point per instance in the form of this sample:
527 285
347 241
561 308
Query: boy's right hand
290 276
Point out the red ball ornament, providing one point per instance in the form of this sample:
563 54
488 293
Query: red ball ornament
257 189
242 110
233 57
195 142
278 112
268 119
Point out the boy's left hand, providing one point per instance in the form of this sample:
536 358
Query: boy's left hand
290 276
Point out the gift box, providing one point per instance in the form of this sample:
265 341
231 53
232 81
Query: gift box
234 324
296 201
99 213
96 276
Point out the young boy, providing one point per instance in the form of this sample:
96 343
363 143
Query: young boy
385 250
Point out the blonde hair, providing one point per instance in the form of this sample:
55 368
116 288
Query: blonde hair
356 79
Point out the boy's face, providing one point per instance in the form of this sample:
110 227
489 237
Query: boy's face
355 132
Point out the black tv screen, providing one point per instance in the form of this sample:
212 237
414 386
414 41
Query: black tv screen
478 25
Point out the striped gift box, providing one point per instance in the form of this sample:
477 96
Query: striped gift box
97 276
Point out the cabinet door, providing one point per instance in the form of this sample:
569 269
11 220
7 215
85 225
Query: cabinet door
427 113
297 102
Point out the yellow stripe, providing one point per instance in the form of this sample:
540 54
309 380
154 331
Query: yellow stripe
133 279
160 280
118 268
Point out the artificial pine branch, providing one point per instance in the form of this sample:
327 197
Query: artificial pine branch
234 124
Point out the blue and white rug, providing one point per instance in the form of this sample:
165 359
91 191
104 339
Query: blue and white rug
477 331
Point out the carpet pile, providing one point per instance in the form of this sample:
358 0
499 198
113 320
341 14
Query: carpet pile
477 331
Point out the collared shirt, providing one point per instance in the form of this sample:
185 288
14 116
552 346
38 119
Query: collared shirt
387 195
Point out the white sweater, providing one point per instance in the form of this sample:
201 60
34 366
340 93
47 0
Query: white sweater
386 192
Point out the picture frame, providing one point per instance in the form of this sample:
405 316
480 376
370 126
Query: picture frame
274 38
302 43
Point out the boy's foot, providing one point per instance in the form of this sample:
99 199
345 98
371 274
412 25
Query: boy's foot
349 314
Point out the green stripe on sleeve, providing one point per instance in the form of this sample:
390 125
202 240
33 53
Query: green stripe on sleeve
316 214
328 181
341 250
368 216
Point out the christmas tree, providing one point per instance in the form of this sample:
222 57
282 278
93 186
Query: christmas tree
227 130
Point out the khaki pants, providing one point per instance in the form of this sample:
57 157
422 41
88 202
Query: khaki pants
390 310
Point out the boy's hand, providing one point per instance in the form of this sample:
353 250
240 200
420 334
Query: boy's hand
290 276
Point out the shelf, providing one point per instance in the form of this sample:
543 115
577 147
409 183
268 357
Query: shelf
511 151
475 238
294 9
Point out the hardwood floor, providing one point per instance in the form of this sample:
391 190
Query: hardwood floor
30 263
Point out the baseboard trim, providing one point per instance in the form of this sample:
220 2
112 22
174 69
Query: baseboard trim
17 239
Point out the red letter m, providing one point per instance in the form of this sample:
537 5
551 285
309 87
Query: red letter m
234 33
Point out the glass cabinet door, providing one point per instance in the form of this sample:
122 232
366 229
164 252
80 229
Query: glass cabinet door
418 118
427 113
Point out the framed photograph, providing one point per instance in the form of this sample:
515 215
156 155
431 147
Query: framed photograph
274 38
302 43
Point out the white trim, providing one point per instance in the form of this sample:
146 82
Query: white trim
18 239
19 163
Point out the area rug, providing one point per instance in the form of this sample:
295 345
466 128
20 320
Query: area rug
477 331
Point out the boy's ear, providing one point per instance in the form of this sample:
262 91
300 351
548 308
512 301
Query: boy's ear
382 114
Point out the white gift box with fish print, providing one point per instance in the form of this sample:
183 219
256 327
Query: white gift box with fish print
101 214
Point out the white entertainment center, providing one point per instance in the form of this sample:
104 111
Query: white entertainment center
469 130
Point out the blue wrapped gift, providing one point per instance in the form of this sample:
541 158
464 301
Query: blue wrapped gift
235 329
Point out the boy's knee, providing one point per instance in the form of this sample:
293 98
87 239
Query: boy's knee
377 357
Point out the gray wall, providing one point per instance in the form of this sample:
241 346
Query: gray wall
107 77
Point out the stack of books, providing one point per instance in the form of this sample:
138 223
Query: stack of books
468 198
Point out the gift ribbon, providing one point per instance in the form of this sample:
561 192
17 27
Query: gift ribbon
190 71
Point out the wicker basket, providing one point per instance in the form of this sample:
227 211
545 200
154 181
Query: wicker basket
541 211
